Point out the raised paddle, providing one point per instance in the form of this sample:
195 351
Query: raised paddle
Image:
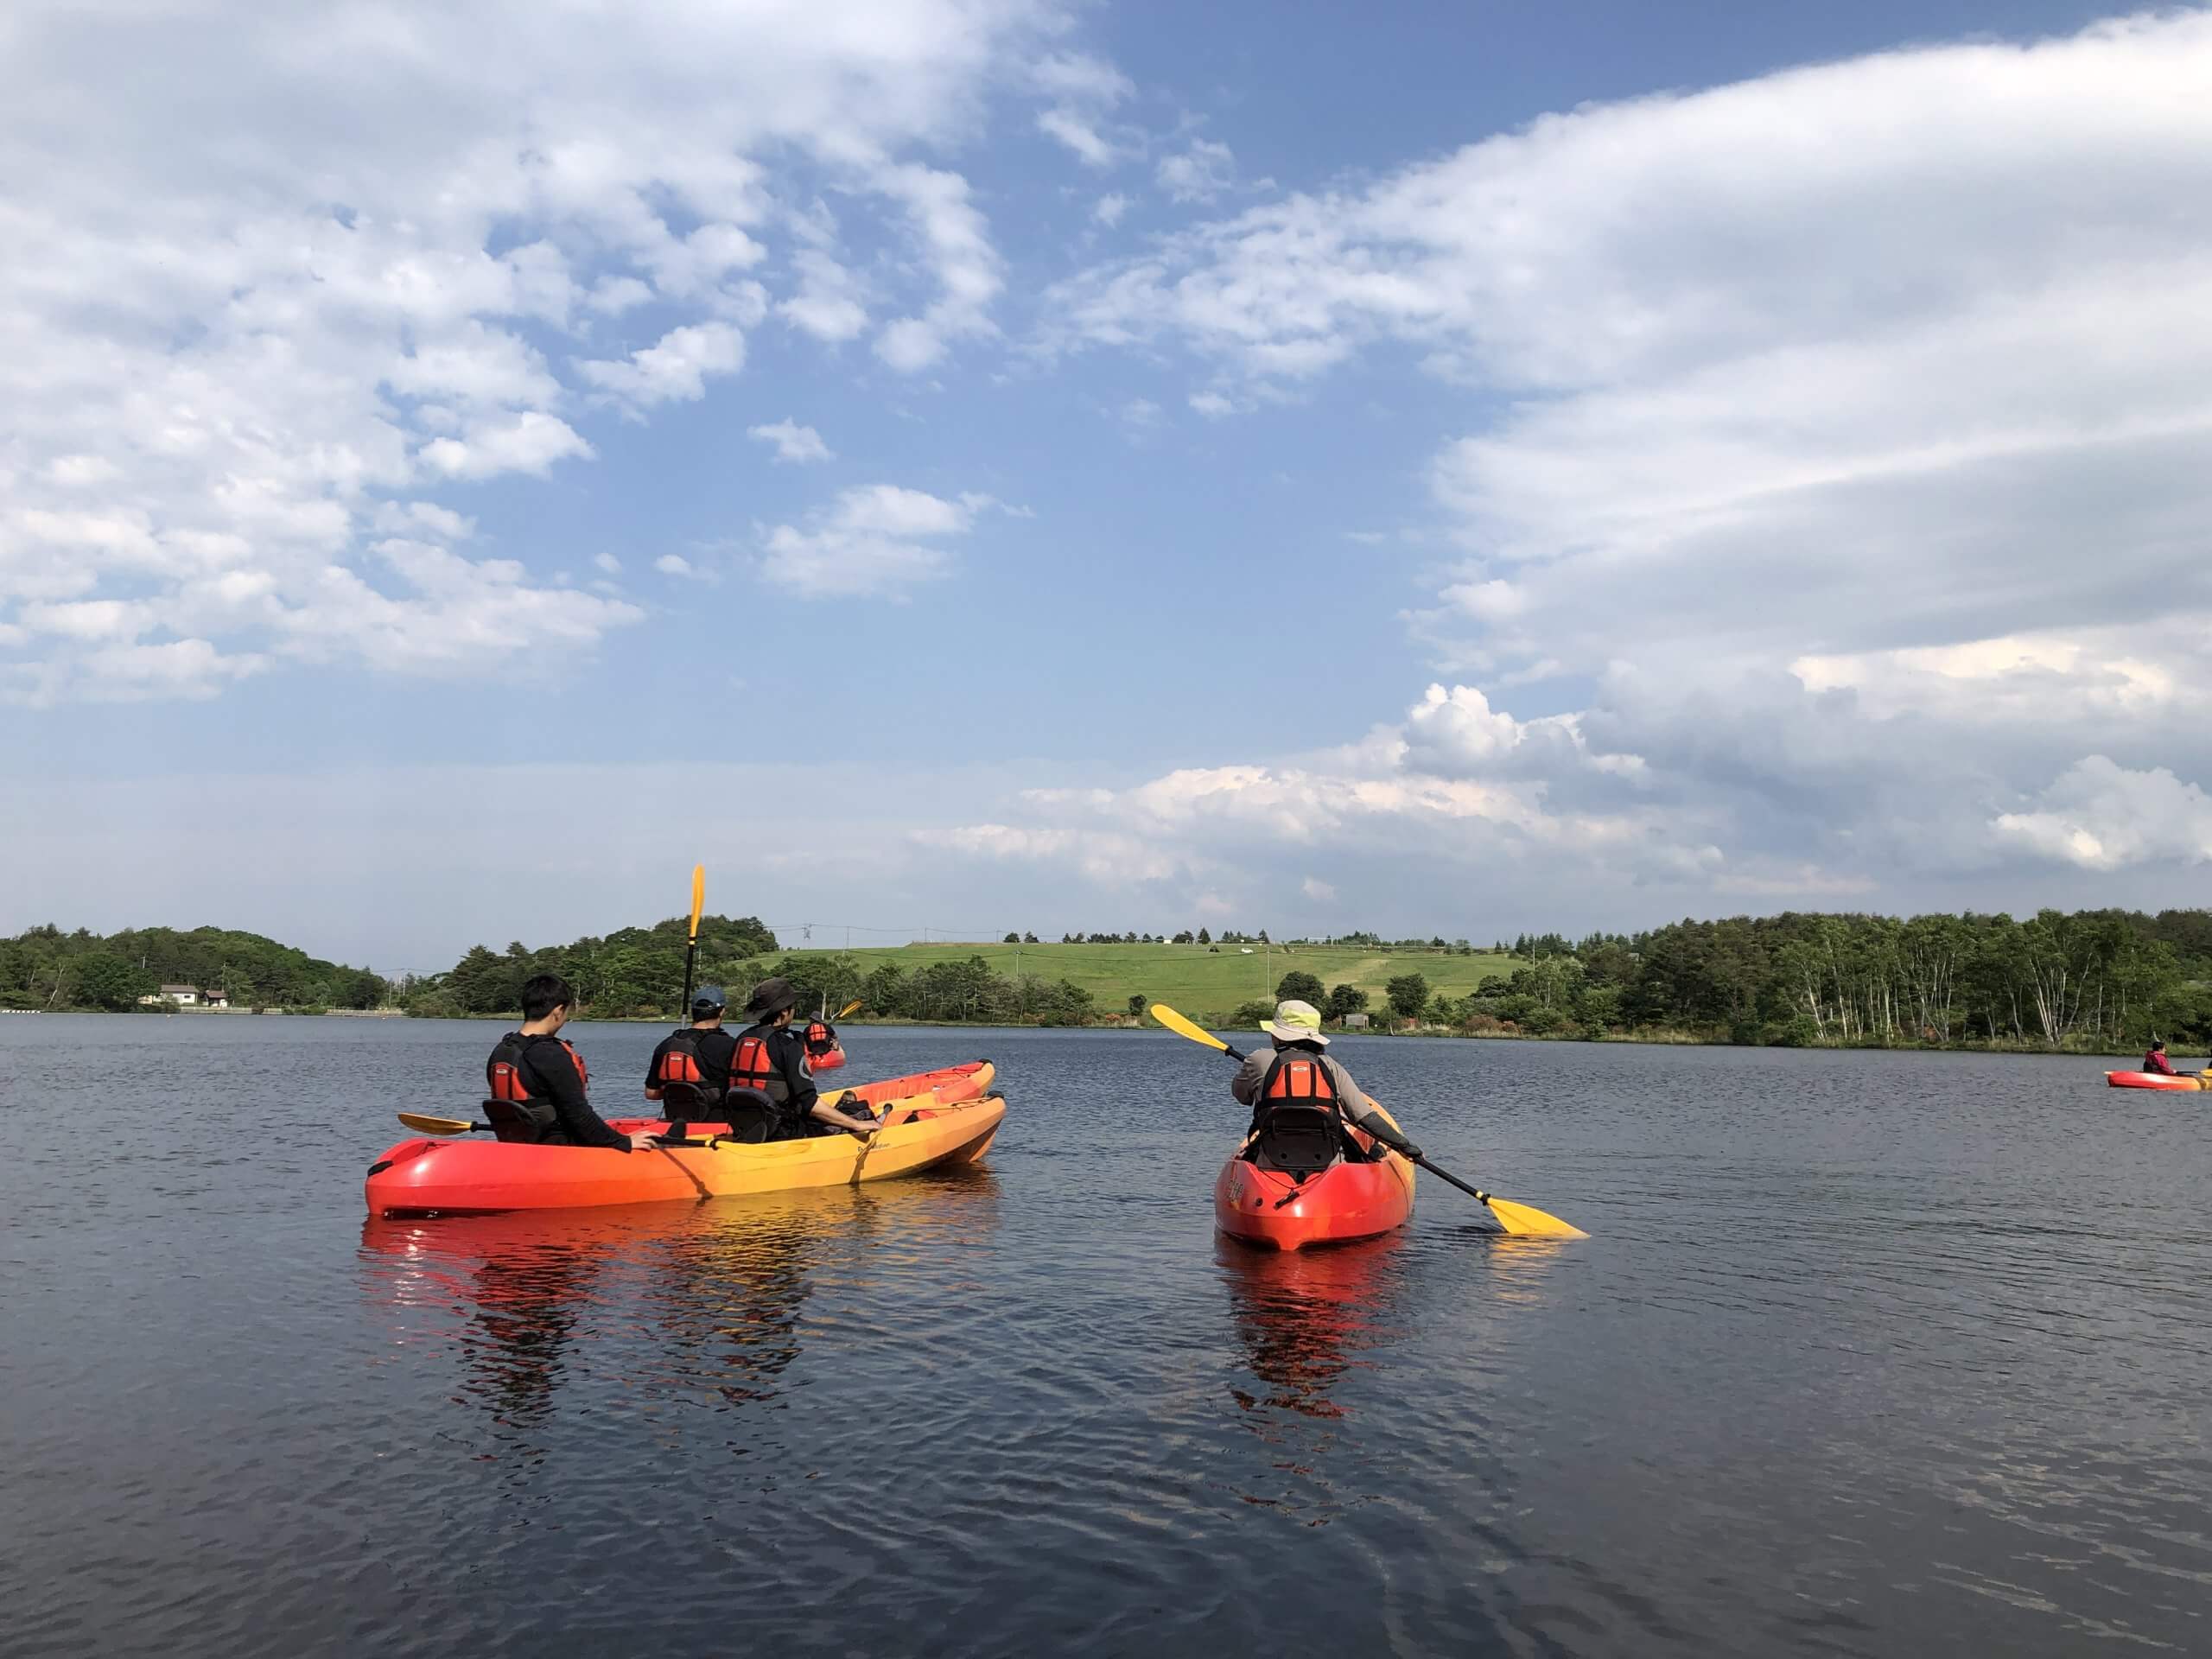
691 949
850 1007
1522 1220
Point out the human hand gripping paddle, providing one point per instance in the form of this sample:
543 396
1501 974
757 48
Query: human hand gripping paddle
1520 1219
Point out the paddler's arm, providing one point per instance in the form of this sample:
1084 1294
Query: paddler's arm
653 1071
1245 1086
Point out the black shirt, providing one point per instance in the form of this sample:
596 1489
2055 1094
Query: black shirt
552 1071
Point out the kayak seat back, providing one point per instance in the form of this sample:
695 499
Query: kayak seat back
683 1102
523 1121
751 1117
1300 1141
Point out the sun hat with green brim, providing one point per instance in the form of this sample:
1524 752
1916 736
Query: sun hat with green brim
1295 1022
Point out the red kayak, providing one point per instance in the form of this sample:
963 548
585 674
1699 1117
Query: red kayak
2189 1080
1284 1189
829 1062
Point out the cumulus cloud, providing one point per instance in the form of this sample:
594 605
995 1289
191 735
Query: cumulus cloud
311 268
879 541
792 442
2102 816
1827 438
1109 209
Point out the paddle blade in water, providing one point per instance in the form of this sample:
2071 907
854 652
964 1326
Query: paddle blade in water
1182 1027
698 895
1524 1222
423 1123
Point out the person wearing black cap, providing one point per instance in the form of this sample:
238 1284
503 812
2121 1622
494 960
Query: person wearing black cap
697 1056
2156 1060
770 1058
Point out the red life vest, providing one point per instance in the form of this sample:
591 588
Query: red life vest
820 1039
679 1063
753 1066
508 1072
2155 1061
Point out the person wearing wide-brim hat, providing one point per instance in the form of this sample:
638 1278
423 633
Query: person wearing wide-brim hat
771 1059
1299 1068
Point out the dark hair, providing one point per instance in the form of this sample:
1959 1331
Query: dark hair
542 993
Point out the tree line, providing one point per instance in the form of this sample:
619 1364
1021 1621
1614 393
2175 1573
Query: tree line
45 968
2098 980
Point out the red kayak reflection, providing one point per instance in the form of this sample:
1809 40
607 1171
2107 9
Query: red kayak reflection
1307 1318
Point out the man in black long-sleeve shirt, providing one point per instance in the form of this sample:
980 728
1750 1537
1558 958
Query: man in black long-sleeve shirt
534 1066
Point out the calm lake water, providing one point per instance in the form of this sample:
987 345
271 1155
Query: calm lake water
1868 1354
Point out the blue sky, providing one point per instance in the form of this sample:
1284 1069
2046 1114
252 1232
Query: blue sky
986 463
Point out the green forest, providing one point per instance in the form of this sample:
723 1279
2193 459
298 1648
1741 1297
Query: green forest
45 968
2090 981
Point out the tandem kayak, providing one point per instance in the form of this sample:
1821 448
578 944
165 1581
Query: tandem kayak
948 1116
829 1062
2189 1080
1260 1204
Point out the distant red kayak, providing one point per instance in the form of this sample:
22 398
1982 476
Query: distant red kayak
1263 1205
2191 1081
829 1062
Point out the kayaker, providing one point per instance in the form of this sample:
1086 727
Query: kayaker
540 1072
2156 1060
1297 1069
820 1037
771 1059
699 1054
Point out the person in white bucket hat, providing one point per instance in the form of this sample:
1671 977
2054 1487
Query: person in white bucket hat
1297 1070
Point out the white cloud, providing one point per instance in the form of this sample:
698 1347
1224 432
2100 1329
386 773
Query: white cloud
1318 890
831 301
874 541
1083 89
1199 174
968 269
674 368
251 329
1109 209
2103 816
792 442
673 565
607 563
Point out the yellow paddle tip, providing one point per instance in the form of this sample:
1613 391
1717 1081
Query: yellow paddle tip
1524 1221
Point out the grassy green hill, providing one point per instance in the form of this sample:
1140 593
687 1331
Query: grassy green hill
1196 980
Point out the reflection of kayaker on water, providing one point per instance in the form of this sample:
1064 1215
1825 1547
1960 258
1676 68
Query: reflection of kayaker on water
695 1060
1296 1070
2156 1060
771 1059
537 1082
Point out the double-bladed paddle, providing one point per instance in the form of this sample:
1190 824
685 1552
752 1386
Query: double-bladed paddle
1522 1220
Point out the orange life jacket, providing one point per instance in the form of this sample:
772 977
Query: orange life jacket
679 1063
820 1039
753 1066
1298 1076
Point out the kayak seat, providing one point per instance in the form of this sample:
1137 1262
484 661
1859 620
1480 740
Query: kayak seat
752 1117
1300 1141
686 1102
523 1121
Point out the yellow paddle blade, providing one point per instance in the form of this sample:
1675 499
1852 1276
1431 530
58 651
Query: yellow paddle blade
423 1123
1523 1221
850 1007
698 895
1182 1027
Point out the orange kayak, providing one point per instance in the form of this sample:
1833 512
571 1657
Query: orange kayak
2189 1080
1349 1199
829 1062
943 1117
